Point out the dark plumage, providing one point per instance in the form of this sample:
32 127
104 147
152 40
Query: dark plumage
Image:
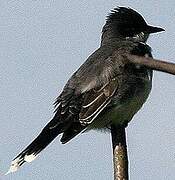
104 90
127 21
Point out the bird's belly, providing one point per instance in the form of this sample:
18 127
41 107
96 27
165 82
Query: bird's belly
122 113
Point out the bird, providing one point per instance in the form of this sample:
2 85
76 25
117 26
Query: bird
105 90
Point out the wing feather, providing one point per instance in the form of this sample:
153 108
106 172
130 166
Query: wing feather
96 100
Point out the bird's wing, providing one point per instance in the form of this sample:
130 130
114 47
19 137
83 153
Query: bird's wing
85 95
96 100
78 111
88 91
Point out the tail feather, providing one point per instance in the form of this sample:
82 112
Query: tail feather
48 134
64 121
73 130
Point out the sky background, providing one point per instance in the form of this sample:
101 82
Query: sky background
42 42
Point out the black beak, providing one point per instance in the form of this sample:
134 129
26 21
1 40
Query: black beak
152 29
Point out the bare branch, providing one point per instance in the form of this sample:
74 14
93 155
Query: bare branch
120 158
151 63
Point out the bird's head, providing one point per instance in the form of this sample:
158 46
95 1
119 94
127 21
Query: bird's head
126 23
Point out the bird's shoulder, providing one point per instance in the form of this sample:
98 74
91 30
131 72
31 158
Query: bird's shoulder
105 64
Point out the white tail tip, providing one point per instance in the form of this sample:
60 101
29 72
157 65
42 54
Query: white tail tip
13 167
30 158
16 163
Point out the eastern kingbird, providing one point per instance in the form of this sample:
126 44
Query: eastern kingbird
105 90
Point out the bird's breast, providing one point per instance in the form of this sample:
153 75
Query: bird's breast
131 101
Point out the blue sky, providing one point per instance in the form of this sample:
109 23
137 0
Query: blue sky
41 44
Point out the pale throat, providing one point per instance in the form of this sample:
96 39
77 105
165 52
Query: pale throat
141 37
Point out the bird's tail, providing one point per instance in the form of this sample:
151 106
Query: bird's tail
48 134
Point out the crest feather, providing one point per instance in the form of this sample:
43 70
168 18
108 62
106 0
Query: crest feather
125 14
